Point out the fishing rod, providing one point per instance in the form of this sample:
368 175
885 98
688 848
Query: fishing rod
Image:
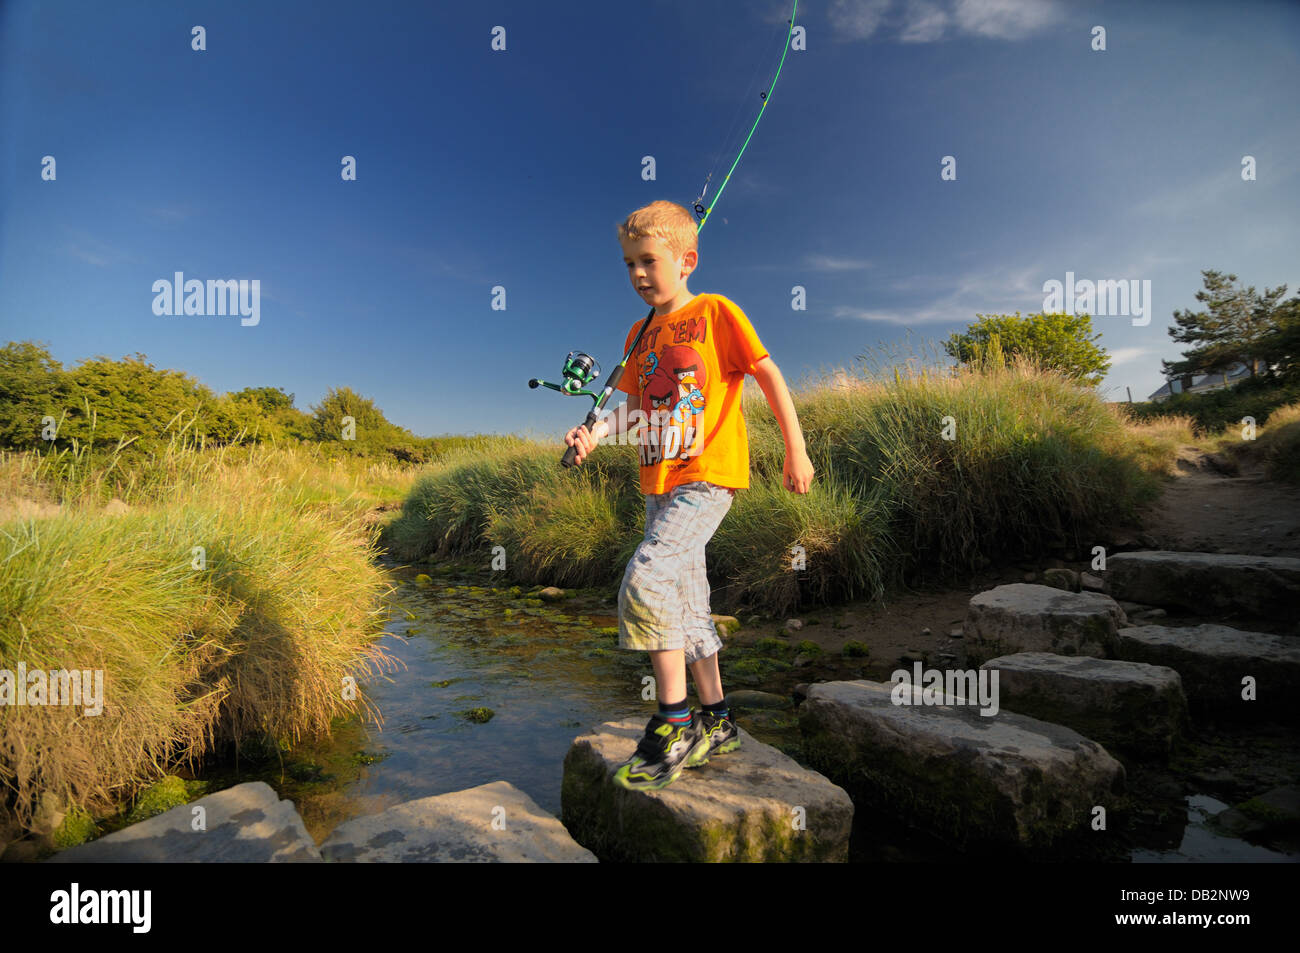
578 366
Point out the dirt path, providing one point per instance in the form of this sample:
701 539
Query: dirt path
1204 509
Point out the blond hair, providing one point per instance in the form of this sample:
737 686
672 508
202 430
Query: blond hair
667 221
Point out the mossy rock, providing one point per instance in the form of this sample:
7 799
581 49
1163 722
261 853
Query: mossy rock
809 647
77 828
768 645
363 757
752 670
855 649
423 579
726 625
533 603
608 630
159 798
480 716
445 682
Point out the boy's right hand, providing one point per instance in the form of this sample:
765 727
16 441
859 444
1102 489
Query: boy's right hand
580 437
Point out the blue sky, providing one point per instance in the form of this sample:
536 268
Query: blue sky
479 168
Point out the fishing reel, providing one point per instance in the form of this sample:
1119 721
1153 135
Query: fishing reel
579 370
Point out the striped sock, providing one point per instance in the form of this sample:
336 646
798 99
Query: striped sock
678 713
718 709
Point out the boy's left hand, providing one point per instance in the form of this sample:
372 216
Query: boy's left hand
798 471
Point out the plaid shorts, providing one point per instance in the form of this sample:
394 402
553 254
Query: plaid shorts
664 600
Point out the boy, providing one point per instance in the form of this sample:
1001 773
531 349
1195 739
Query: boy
685 379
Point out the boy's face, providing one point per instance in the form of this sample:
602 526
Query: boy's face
655 274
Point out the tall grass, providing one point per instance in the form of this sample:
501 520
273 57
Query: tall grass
922 473
1279 441
229 596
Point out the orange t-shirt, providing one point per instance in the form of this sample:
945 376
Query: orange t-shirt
689 370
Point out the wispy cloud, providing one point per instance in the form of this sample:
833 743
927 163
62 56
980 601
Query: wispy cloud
858 19
931 21
926 22
170 214
1004 19
1131 355
831 263
86 247
976 292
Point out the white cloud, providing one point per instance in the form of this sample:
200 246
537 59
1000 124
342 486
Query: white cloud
1004 19
929 21
925 23
1131 355
858 19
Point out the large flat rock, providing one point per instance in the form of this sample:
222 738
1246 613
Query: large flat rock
1129 706
968 778
1213 661
752 804
492 823
1206 583
244 824
1022 617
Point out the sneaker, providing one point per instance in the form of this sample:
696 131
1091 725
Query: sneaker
722 734
662 753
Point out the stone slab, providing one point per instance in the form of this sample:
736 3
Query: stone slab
752 804
491 823
1129 706
247 823
1208 583
967 778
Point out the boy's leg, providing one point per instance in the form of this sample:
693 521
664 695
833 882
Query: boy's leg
649 605
670 675
708 681
702 642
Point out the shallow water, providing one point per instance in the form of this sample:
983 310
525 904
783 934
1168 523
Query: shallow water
548 673
1201 844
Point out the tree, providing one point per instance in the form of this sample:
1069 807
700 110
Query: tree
1237 326
370 432
1059 342
270 399
32 386
1280 347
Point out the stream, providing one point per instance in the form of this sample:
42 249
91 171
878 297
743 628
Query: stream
547 673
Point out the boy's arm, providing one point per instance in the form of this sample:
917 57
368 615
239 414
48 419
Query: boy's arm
616 421
798 468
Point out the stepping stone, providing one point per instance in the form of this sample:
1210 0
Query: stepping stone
1025 618
752 804
492 823
1213 660
245 824
1008 779
1267 586
1129 706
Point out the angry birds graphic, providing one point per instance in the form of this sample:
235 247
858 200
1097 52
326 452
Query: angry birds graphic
672 392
